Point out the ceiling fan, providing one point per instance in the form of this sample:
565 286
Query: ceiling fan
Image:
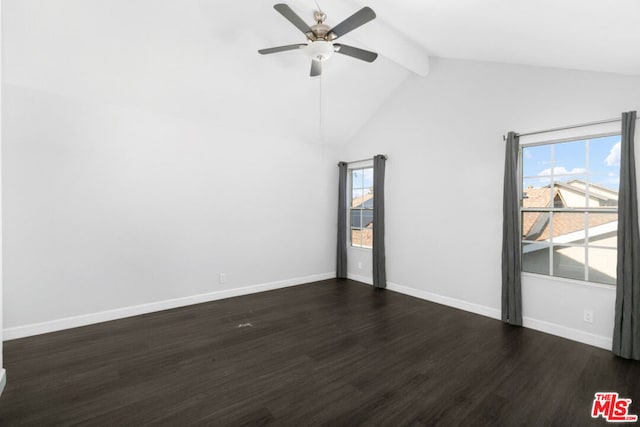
320 37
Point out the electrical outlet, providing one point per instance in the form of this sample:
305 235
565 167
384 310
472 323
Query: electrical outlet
222 279
360 265
588 316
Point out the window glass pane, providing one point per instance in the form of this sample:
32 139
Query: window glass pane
568 227
571 176
362 237
535 225
603 229
602 265
570 191
600 193
356 198
604 162
356 218
356 178
536 192
367 218
361 215
367 201
535 160
355 237
367 179
367 237
535 258
362 199
569 158
569 262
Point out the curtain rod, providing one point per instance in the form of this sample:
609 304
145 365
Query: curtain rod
364 160
599 122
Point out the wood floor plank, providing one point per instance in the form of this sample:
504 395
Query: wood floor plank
334 353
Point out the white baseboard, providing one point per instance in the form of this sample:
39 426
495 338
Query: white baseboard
361 279
119 313
104 316
430 296
3 380
448 301
494 313
568 333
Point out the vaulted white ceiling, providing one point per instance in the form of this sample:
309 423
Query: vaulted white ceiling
198 59
593 35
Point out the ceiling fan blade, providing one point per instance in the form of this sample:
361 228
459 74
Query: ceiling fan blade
281 48
292 17
363 55
316 68
356 20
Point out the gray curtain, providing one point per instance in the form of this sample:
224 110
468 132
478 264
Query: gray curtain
341 258
511 257
379 258
626 332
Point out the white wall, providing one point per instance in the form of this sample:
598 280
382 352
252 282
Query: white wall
443 134
109 207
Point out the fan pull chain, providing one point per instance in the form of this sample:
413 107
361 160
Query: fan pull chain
320 118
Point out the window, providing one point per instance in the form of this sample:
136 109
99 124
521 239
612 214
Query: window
569 208
361 207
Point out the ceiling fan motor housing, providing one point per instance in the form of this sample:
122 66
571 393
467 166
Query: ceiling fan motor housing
320 50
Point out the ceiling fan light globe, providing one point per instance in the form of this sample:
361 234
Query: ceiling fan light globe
320 50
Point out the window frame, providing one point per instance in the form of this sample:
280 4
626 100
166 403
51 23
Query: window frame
550 245
350 210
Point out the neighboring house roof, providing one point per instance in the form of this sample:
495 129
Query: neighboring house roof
563 223
365 201
597 194
533 223
537 197
594 189
536 226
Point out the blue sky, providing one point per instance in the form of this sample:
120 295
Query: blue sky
570 159
361 182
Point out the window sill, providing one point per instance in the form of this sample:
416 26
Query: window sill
570 281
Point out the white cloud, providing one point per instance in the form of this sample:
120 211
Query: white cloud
560 170
613 159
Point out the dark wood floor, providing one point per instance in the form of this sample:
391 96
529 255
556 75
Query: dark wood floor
335 353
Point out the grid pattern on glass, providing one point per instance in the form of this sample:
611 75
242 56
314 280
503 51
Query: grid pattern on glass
361 207
569 214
